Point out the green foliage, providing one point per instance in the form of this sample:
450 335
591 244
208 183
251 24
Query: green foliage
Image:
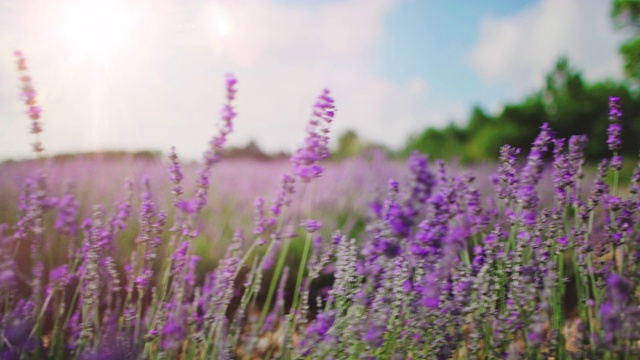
568 103
485 142
630 51
349 145
440 144
626 14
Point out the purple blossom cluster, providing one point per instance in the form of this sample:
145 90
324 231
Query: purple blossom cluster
445 268
614 132
450 274
305 160
28 95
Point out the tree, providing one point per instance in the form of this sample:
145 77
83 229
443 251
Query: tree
626 14
439 143
570 105
479 119
349 144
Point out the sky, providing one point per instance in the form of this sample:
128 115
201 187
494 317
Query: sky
150 74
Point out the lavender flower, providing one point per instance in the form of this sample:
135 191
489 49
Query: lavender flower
531 173
600 187
68 212
212 155
262 224
175 172
507 173
283 195
119 221
311 226
422 180
576 158
305 160
28 94
614 131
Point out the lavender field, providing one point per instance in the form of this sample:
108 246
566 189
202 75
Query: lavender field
366 258
339 199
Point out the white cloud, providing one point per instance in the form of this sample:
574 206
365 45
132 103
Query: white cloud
167 87
519 50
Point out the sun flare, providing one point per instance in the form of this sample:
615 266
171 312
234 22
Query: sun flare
96 30
217 20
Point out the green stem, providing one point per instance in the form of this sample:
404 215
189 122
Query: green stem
65 324
274 281
244 302
301 269
558 305
37 326
138 315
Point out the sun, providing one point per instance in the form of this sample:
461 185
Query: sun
96 30
217 20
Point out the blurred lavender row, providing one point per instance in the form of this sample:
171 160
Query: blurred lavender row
346 187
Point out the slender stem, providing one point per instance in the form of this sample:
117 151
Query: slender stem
138 314
37 326
301 269
244 302
274 280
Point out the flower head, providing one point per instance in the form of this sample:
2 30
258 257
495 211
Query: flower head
615 129
305 160
28 95
311 225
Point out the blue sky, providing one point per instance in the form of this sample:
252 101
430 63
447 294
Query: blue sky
432 38
149 74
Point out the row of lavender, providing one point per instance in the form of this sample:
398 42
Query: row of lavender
234 186
442 271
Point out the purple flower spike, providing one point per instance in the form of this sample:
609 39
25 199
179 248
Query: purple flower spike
305 160
527 194
175 173
423 180
615 129
231 91
212 155
28 95
68 211
507 173
261 223
283 195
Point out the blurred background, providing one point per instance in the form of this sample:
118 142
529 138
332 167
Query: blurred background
451 78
